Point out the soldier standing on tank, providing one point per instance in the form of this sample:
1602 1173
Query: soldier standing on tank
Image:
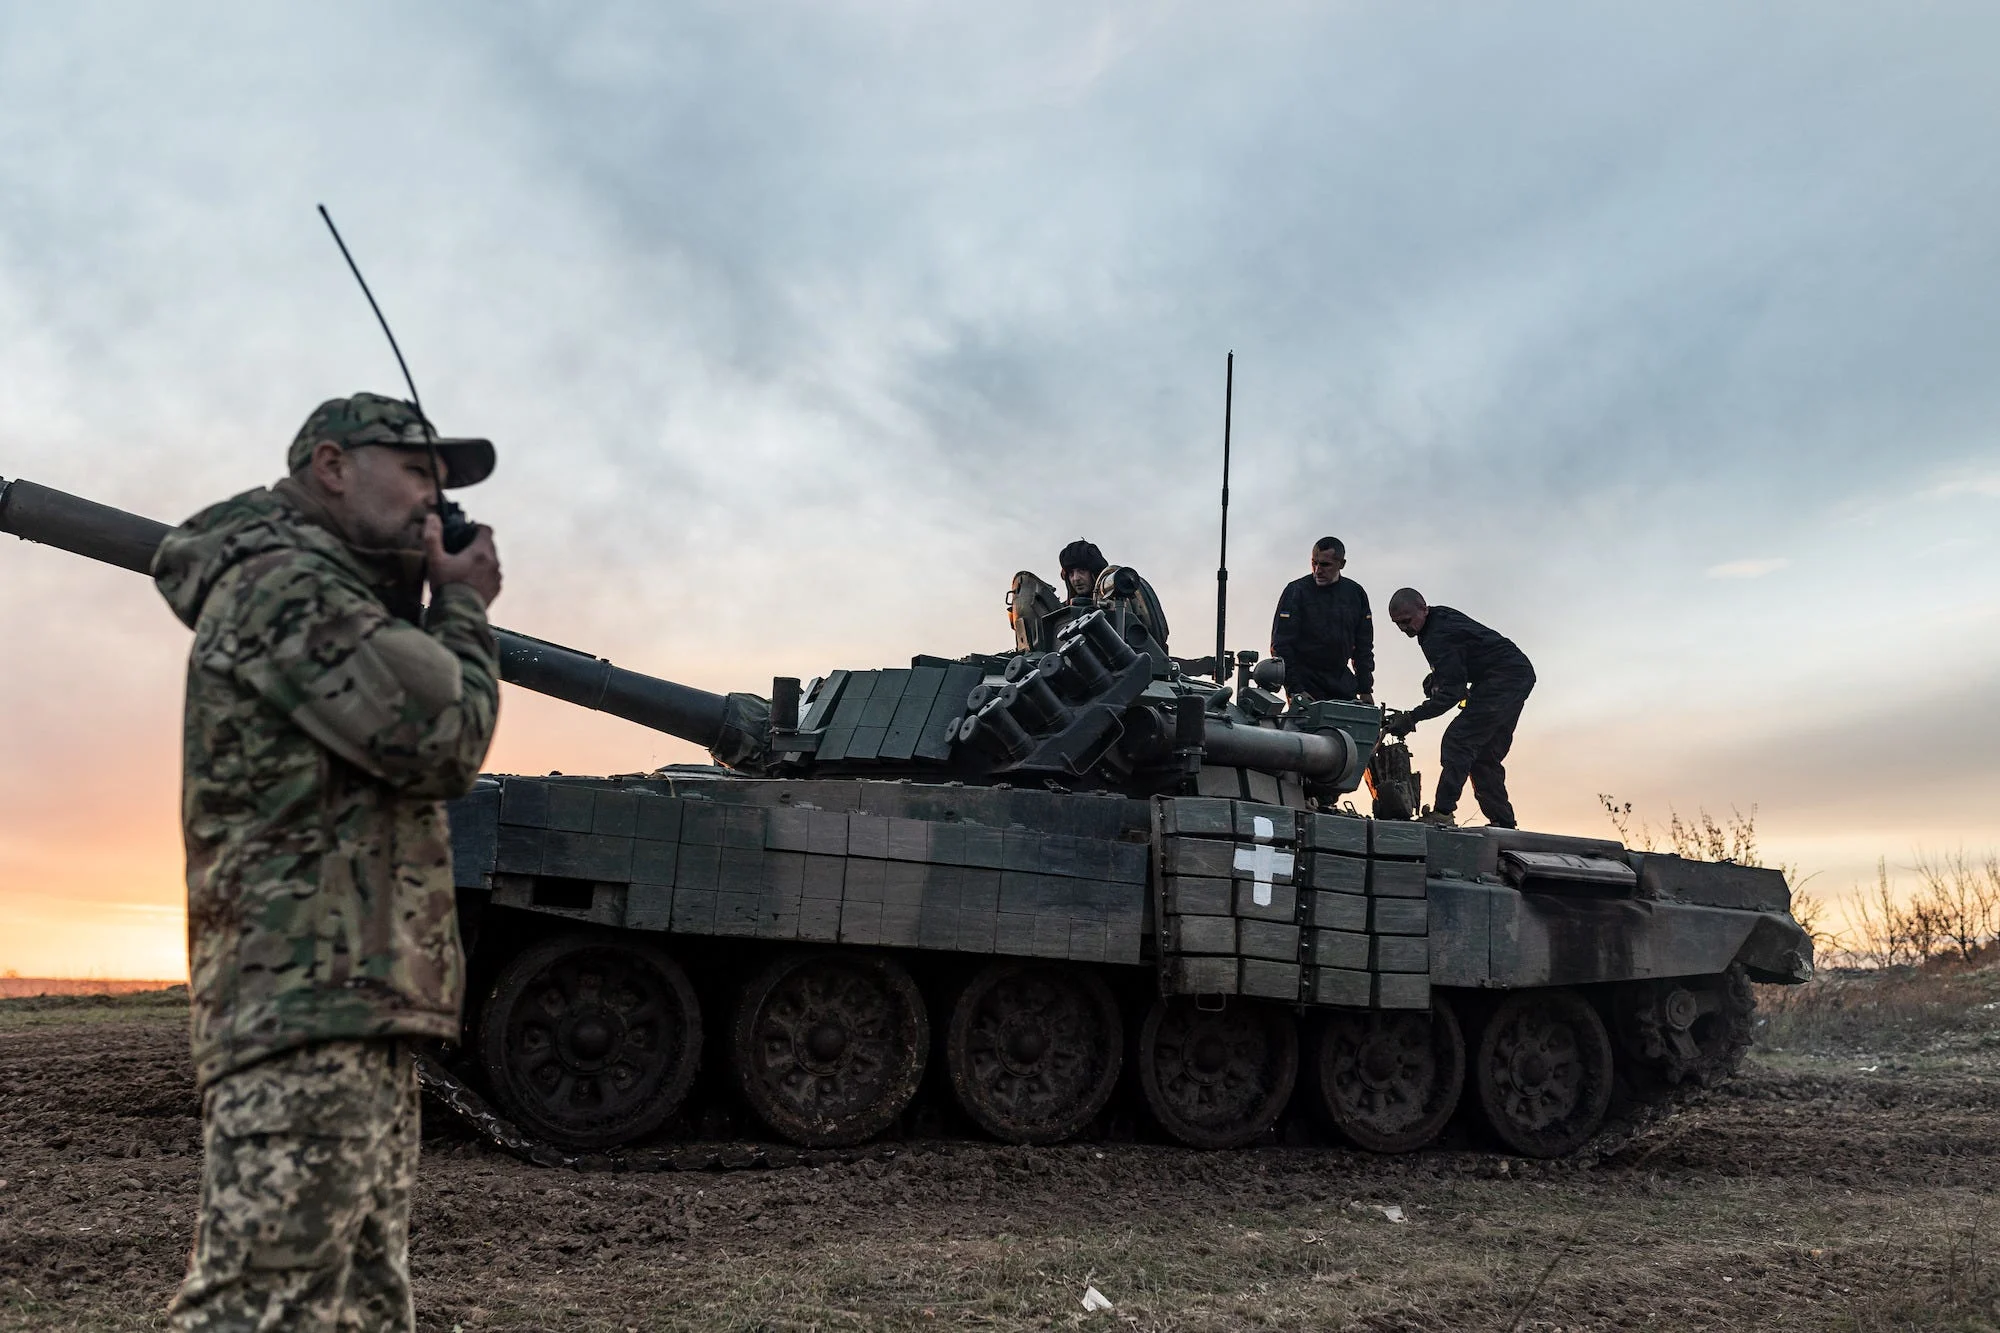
1474 666
329 716
1324 632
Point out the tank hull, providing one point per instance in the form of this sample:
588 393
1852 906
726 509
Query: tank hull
1322 929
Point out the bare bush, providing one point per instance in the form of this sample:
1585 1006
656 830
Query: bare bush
1810 912
1704 838
1701 838
1955 913
1963 895
1698 839
1883 934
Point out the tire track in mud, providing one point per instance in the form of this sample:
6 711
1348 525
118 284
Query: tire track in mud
100 1141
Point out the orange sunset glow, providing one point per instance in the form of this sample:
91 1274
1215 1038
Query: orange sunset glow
1682 378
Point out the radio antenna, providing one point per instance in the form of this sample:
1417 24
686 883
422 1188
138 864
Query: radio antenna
1222 564
459 531
380 318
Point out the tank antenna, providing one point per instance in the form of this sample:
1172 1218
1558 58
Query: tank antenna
1222 564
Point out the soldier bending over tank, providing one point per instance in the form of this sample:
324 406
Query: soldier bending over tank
329 716
1470 664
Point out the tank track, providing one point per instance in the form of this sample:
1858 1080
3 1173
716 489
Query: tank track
497 1131
1644 1105
1651 1101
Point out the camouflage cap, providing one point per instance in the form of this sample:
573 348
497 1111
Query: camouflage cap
370 418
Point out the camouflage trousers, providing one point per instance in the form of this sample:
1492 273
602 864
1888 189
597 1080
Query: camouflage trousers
305 1193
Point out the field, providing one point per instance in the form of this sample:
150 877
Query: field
1846 1180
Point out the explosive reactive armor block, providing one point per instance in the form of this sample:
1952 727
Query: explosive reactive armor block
1287 904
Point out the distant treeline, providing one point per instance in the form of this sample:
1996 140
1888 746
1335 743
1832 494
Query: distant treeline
15 988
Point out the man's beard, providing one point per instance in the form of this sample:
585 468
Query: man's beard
408 537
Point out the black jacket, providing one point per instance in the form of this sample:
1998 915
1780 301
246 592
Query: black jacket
1318 631
1466 656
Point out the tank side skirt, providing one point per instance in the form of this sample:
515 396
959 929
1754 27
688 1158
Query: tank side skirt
903 865
1493 936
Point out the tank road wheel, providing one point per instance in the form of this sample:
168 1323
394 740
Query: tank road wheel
1217 1078
1034 1050
1388 1081
1687 1029
590 1042
1544 1072
830 1047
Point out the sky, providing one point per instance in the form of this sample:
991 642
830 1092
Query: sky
1660 339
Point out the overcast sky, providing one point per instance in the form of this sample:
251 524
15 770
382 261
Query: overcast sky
1661 339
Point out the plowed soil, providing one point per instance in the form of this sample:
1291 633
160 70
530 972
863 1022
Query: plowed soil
1835 1190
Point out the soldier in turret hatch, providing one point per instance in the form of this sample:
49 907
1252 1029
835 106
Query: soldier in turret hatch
1482 670
1088 582
1091 581
1081 562
1323 631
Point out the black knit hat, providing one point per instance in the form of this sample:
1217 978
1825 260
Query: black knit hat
1082 555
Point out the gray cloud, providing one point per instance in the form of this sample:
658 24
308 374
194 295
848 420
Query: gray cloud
802 328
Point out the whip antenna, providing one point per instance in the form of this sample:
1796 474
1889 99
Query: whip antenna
459 531
1222 564
380 318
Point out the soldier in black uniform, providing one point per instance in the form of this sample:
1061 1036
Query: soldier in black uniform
1031 600
1081 563
1323 631
1091 580
1470 664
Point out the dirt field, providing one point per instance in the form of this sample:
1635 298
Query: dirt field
1836 1184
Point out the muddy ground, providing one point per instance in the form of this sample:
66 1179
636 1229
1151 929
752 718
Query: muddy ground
1848 1186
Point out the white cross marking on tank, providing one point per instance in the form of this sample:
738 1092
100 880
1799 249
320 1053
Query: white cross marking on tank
1263 861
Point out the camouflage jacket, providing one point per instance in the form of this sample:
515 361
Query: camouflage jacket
323 733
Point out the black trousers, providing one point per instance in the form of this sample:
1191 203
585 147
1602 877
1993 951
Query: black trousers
1475 746
1319 682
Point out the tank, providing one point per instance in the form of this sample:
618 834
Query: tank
1026 893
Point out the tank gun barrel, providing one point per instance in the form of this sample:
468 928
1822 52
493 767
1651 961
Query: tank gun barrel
99 532
1313 754
591 682
81 527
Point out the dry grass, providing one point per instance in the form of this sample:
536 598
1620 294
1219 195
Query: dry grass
40 1011
1942 1008
1959 1289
